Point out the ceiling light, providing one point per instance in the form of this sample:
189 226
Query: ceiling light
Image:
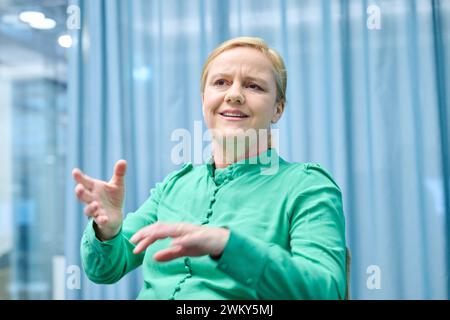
44 24
65 41
31 16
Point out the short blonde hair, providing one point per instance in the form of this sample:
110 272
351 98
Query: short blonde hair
279 68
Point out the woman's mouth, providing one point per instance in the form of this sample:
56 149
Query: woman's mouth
233 115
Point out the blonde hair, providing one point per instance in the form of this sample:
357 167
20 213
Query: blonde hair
259 44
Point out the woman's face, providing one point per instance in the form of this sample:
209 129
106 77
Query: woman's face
240 93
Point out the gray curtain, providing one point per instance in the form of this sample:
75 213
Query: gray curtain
370 105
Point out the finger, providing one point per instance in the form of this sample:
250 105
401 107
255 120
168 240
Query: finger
149 235
141 233
147 231
142 245
193 243
101 219
181 240
169 254
147 239
120 170
160 230
200 242
83 194
92 209
82 178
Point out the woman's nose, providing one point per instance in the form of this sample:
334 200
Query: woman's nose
234 95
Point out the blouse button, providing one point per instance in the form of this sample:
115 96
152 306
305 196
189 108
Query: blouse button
177 288
209 211
213 199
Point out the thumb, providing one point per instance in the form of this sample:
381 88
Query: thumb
119 173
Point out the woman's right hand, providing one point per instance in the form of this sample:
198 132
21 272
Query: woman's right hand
104 199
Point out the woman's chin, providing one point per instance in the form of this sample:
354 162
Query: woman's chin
240 136
230 132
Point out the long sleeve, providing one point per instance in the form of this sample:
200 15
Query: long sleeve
314 267
109 261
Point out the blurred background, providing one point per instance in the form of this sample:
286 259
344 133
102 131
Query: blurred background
84 83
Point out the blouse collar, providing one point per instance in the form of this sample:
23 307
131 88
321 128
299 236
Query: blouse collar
267 161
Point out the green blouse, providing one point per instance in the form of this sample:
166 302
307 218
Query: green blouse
287 234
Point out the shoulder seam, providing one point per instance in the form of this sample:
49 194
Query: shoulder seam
317 167
186 167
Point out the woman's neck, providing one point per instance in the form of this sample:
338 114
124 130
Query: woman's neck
224 154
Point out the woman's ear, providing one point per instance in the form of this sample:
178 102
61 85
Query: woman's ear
278 111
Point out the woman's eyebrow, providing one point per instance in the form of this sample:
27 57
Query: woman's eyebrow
227 75
220 75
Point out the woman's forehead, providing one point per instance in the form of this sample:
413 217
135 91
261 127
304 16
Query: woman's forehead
243 60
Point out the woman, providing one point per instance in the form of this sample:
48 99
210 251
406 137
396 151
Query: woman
225 229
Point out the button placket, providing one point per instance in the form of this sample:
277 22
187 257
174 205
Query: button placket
187 266
212 200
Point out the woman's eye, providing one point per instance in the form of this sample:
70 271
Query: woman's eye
254 86
220 82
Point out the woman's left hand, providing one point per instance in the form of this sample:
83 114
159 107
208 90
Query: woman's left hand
189 240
